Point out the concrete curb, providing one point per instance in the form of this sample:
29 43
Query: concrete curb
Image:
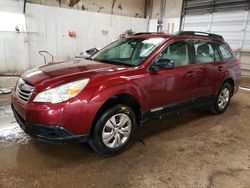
245 89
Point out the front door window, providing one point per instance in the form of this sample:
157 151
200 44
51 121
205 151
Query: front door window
178 52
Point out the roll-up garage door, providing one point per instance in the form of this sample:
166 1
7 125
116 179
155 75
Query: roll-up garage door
230 18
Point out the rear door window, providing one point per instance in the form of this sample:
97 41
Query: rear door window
225 53
205 52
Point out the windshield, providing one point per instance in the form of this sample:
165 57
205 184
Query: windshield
129 51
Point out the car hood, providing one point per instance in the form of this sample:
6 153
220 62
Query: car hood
69 70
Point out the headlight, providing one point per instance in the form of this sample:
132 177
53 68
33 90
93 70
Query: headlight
62 93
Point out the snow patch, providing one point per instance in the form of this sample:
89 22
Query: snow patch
5 111
13 134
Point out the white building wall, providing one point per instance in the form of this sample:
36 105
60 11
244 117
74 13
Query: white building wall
13 47
171 14
173 9
11 6
132 8
47 29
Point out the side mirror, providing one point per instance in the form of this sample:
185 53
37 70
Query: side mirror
92 51
162 64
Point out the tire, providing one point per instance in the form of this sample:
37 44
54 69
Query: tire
113 130
222 100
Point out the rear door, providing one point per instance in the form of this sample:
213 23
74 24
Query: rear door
229 66
207 68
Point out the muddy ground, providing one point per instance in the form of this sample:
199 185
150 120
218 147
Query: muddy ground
192 149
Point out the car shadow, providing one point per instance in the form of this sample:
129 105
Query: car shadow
186 123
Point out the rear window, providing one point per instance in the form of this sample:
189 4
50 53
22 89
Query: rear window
225 53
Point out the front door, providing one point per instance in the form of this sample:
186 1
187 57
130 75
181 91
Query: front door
173 86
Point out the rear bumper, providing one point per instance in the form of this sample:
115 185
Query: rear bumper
53 134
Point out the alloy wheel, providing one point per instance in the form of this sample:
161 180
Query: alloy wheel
116 130
223 98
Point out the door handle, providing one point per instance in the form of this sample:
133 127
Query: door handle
221 68
190 74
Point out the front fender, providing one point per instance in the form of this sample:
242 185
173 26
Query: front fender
122 85
102 89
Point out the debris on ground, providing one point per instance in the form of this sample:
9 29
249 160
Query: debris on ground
4 91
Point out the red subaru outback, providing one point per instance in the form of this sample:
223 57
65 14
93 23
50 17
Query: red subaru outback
101 100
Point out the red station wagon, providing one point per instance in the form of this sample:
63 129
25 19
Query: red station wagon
101 100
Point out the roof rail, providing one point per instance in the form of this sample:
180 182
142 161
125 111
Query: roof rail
198 33
146 33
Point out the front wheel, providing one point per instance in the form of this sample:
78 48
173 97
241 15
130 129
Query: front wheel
113 130
222 99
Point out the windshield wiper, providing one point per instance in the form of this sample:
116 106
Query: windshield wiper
113 62
89 58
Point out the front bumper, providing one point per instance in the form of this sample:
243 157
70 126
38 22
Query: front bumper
47 133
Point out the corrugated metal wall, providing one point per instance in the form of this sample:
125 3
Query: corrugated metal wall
194 7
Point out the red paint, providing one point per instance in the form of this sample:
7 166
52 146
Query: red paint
150 89
72 34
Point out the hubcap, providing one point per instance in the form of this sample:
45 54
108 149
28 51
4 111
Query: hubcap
223 98
117 130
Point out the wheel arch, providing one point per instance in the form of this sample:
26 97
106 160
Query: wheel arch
125 99
231 82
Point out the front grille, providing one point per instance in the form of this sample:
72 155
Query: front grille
24 90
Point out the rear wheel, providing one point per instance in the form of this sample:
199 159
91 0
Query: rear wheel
113 130
222 99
